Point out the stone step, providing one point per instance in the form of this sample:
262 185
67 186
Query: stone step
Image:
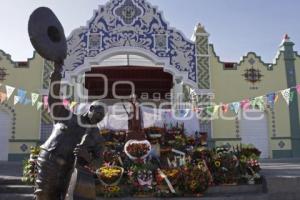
11 168
16 189
16 196
6 180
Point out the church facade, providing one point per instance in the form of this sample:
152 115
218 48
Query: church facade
130 41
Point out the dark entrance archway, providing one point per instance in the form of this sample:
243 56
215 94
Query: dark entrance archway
151 82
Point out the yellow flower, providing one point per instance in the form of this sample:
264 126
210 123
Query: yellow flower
243 159
109 172
217 163
113 189
193 185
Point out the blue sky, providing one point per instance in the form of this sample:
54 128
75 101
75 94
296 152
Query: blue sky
235 26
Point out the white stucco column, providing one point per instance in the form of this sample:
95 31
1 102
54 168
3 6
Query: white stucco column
79 89
177 91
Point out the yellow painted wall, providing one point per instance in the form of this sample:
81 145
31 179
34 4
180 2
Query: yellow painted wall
27 117
229 86
14 147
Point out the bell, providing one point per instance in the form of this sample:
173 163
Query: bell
47 35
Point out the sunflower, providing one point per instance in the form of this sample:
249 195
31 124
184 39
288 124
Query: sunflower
217 163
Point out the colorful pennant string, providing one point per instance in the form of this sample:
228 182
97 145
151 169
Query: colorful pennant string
259 102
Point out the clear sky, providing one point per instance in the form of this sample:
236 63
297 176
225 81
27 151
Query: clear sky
235 26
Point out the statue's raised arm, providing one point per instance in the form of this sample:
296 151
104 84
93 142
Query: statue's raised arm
55 102
47 36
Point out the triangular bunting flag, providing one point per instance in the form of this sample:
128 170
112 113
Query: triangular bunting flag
210 110
2 97
276 97
16 100
45 101
199 111
225 108
39 105
9 91
66 102
231 107
22 95
252 103
245 104
298 88
235 107
73 104
216 108
260 102
286 95
34 98
271 99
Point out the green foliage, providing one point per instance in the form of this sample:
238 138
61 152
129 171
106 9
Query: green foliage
29 166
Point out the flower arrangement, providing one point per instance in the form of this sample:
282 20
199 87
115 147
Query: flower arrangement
178 129
106 134
180 142
137 149
224 166
173 174
110 175
30 166
250 152
154 134
120 136
154 130
196 179
145 178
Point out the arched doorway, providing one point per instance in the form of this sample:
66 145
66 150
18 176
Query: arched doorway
5 122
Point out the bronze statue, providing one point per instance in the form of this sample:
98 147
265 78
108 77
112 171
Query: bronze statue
56 159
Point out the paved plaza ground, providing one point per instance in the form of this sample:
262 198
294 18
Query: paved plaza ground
282 178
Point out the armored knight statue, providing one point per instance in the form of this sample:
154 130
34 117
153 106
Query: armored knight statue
56 159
